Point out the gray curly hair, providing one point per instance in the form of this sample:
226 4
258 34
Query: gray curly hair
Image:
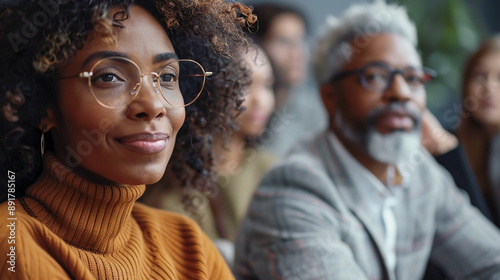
356 26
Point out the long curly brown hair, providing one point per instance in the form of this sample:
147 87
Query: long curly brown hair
37 36
222 98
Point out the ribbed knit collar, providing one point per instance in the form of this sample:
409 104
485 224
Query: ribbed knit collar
86 215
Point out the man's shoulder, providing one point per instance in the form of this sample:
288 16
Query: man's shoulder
297 166
301 176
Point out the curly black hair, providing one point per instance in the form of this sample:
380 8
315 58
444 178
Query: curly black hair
222 97
37 36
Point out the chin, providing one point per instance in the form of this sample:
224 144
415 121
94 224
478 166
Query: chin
142 180
143 176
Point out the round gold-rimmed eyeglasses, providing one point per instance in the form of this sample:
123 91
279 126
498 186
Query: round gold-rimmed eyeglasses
116 81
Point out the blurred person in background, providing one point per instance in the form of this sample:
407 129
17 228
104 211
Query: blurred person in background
474 162
237 158
282 32
479 131
364 199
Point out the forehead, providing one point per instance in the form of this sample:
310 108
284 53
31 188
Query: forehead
389 48
142 32
287 24
141 37
489 61
258 62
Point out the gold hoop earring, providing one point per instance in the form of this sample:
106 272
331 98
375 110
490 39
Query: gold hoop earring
42 140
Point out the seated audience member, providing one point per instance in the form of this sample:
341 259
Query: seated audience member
364 200
92 103
238 160
282 32
479 132
448 152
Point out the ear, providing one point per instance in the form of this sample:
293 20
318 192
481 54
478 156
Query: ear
329 97
48 121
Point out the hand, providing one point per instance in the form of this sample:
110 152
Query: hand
434 137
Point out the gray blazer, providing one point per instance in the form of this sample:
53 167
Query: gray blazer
306 221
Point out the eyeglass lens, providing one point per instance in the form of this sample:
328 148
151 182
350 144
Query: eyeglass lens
377 78
116 81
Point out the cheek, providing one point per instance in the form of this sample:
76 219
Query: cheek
473 90
421 101
277 54
268 101
79 113
357 105
176 116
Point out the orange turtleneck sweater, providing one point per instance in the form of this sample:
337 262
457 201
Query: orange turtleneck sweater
69 228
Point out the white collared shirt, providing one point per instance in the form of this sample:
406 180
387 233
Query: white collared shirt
383 202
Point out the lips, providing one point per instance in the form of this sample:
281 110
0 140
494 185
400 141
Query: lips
390 121
148 143
488 104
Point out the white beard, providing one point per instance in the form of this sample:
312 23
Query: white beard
391 148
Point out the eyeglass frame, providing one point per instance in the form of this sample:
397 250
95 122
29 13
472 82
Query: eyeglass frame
429 73
156 85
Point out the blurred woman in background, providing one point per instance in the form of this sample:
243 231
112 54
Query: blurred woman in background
237 159
479 131
282 31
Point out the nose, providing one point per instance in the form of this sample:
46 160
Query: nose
148 104
296 47
398 89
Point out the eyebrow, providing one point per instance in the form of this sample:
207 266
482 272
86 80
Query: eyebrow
101 55
164 57
105 54
382 63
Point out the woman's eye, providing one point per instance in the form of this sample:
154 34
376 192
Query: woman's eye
481 77
168 78
107 77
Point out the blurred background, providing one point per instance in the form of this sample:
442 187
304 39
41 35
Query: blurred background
448 31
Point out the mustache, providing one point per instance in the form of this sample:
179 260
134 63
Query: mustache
397 108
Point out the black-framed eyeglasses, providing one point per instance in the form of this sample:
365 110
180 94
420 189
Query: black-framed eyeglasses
378 77
116 81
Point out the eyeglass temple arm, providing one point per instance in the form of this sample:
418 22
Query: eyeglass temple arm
207 74
431 72
81 75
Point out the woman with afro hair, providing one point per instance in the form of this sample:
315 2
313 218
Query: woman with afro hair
95 95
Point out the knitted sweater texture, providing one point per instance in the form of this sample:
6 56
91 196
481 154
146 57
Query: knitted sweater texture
68 228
